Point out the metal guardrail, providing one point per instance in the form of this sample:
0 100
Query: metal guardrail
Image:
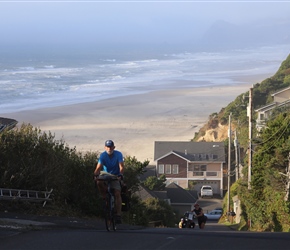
27 195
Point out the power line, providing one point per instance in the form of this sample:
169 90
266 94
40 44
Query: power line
278 138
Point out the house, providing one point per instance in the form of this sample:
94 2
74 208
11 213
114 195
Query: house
281 99
191 165
144 194
179 199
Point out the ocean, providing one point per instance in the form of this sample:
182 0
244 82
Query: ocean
30 82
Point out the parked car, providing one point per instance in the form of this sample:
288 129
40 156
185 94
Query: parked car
214 214
206 191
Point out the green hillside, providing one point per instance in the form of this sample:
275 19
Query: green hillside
265 202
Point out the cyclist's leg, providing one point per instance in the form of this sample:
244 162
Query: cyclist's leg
118 201
117 192
102 186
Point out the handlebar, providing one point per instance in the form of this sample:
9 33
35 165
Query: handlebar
104 176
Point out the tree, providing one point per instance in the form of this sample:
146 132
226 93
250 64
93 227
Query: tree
34 160
158 210
154 183
133 170
270 212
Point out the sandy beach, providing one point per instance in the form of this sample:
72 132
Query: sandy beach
134 122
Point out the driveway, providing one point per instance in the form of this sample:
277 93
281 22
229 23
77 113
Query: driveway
208 204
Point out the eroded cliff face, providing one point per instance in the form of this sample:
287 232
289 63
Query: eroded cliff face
217 134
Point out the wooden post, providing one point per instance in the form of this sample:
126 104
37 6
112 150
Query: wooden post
236 143
229 163
288 179
250 137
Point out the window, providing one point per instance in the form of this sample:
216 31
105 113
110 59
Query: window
211 173
190 168
199 168
161 169
197 173
175 169
167 169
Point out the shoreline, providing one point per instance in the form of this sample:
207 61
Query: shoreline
133 122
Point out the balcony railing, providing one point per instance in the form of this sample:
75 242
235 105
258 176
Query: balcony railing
204 174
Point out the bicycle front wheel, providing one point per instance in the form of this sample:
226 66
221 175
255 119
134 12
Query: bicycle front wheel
109 216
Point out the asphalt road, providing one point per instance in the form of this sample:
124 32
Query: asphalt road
49 233
213 237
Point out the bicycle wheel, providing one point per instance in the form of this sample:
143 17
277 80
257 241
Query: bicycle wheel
109 215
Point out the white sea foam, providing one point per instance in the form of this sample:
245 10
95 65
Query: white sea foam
36 84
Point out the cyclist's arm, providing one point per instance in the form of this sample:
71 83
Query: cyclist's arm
121 166
98 169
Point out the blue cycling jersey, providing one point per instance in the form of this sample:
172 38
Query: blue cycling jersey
111 162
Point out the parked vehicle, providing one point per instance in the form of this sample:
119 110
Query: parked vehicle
206 191
214 214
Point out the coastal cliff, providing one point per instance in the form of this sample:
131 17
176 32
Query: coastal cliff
217 134
216 129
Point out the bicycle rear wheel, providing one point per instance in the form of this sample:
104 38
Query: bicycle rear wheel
109 215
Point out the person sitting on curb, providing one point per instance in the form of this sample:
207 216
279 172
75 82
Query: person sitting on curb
180 225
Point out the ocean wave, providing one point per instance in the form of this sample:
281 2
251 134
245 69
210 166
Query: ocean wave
41 84
49 66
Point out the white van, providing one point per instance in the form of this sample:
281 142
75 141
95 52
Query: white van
206 191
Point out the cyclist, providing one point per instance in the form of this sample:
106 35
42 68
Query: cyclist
111 161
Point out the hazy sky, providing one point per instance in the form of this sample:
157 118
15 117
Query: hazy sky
125 21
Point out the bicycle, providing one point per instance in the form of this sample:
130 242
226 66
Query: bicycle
109 202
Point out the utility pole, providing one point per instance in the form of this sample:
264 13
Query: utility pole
288 179
287 175
250 111
236 143
229 162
